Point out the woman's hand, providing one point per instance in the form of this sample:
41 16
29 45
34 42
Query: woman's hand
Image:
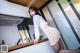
35 41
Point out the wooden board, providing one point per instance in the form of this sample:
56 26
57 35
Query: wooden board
32 3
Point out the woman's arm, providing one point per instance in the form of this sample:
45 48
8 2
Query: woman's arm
36 29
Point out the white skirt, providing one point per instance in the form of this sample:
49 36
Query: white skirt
52 34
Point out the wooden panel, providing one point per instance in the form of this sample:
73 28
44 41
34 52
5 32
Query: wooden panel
39 3
32 3
21 2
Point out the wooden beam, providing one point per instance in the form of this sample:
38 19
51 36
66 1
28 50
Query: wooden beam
31 3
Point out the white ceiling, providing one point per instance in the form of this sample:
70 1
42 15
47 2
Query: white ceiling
9 8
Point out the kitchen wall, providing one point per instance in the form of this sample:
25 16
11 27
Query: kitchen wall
9 34
9 8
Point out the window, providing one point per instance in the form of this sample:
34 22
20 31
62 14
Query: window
76 4
71 14
24 33
64 18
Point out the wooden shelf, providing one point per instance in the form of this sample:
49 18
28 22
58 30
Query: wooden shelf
24 45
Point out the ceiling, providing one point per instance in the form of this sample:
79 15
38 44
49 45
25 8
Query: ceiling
31 3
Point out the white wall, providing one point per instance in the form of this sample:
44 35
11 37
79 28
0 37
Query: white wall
43 47
13 9
48 17
9 34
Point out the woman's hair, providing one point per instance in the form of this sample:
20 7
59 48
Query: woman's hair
34 9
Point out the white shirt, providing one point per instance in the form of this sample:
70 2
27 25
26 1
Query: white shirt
52 33
38 21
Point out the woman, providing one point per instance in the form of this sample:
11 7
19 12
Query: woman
40 23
